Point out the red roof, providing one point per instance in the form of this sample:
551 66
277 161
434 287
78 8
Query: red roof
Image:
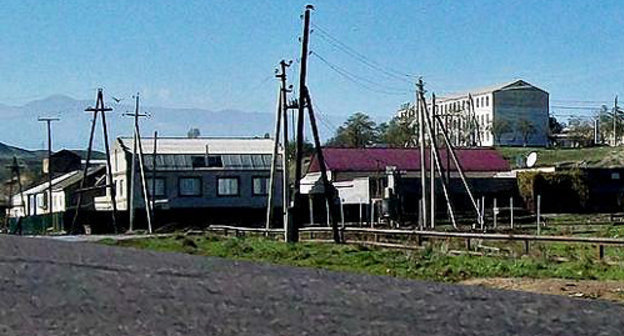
406 159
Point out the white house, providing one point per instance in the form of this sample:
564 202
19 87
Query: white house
511 106
63 194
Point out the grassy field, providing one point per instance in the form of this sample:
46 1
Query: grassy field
433 263
599 156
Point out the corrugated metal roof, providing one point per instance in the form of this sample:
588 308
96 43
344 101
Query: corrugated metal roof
406 159
61 182
220 145
201 161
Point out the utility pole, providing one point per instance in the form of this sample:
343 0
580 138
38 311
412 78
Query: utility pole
421 140
292 233
136 144
615 116
305 102
281 112
97 110
49 121
432 143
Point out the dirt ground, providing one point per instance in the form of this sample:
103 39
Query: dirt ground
590 289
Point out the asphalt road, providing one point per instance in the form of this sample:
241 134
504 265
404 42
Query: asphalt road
60 288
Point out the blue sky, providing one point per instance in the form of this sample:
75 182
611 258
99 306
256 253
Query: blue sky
221 54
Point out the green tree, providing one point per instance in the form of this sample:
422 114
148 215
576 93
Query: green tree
358 131
401 131
580 129
526 128
193 133
499 127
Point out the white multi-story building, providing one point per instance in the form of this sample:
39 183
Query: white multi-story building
510 114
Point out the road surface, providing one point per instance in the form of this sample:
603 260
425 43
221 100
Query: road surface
50 287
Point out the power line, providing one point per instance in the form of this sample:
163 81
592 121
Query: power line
326 36
324 60
357 79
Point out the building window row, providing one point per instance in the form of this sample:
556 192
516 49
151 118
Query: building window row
192 186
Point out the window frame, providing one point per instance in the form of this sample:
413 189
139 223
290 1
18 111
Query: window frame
253 186
149 185
201 186
238 186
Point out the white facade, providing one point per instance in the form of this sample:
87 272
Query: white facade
512 103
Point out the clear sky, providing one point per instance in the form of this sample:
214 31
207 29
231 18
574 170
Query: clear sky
222 54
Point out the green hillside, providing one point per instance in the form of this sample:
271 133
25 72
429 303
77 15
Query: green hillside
588 157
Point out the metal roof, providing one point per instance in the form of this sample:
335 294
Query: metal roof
514 84
406 159
223 161
202 145
61 182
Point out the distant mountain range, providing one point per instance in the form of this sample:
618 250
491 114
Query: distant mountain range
19 126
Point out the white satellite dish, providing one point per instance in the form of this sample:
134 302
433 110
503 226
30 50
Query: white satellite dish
531 159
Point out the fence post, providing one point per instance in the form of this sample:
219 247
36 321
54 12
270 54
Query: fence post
311 208
526 247
494 212
327 212
482 213
360 204
600 252
539 201
511 209
342 212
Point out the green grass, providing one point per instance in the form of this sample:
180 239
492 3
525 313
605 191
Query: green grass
428 264
599 156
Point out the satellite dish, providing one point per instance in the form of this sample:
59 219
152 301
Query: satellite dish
531 159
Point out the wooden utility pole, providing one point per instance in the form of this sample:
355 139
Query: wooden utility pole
131 206
280 113
15 173
99 109
436 157
49 121
154 165
137 144
421 140
431 166
615 116
292 232
305 102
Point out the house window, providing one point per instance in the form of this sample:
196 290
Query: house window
487 101
189 186
198 161
227 186
215 161
477 102
119 187
615 176
487 119
261 186
158 184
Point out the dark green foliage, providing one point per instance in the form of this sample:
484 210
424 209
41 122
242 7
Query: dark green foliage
565 191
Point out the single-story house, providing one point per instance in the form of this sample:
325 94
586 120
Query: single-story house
196 181
359 175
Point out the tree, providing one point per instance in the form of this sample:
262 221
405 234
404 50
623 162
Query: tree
554 126
193 133
358 131
399 132
581 130
499 127
526 128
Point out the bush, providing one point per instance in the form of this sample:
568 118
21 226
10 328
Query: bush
561 191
